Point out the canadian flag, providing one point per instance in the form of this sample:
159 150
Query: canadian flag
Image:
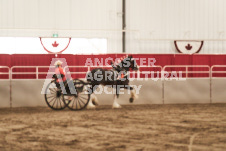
188 46
55 45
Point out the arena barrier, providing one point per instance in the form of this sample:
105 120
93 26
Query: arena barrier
27 93
190 91
187 89
5 86
207 87
218 84
4 93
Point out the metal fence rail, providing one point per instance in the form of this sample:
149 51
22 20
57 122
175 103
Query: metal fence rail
7 72
218 71
36 73
185 69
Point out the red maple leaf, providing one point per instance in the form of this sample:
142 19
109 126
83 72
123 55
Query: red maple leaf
188 47
55 44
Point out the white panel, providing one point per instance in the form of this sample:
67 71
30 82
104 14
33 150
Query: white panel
27 93
61 15
149 93
4 93
153 19
188 91
68 18
218 90
47 14
6 18
25 14
175 19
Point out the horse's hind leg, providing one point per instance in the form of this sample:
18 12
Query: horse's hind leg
133 94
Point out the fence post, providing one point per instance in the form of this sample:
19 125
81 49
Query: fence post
163 79
10 87
36 72
211 83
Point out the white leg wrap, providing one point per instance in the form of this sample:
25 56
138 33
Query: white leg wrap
134 95
90 105
115 103
94 99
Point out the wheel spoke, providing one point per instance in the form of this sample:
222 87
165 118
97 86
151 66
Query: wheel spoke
53 90
76 105
57 103
84 98
81 101
53 103
69 101
60 103
51 96
51 100
74 100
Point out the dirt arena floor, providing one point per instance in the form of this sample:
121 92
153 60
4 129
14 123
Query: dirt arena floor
200 127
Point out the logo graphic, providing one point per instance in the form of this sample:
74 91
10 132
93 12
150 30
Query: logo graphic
55 45
188 46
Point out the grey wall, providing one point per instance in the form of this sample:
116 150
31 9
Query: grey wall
27 93
218 90
4 93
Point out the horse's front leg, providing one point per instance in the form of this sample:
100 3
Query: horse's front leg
116 96
133 94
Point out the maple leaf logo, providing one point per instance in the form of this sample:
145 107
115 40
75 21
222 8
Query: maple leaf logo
55 44
188 47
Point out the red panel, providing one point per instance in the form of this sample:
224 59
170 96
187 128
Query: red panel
218 60
80 60
181 59
31 59
5 60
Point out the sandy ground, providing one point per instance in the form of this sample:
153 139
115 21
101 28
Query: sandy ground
200 127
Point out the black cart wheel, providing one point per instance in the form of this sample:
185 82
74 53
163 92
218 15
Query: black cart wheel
54 97
80 100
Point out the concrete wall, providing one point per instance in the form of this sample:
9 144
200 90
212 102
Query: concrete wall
4 93
188 91
27 93
150 92
219 90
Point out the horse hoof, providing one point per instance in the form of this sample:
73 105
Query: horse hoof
131 100
116 106
90 107
95 102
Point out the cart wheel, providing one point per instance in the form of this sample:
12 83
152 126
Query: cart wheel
78 101
54 97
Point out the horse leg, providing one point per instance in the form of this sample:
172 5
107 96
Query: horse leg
133 94
93 99
116 96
